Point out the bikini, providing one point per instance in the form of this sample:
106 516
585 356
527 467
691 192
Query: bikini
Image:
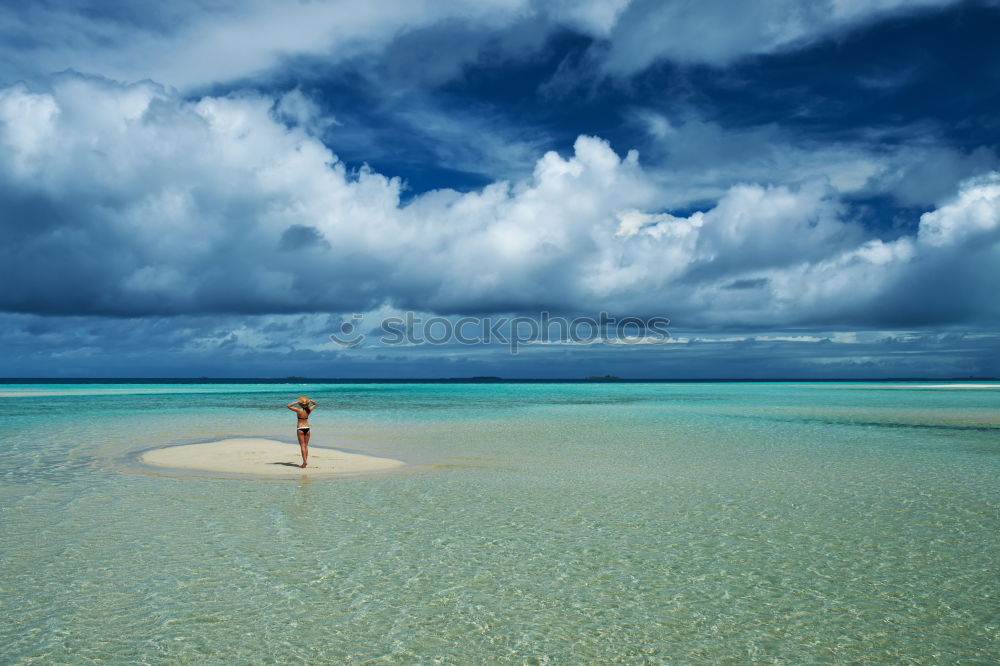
304 428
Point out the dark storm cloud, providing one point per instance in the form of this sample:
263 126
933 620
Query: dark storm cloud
283 345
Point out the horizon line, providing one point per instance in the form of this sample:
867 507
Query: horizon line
489 379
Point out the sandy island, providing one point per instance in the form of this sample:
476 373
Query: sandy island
264 457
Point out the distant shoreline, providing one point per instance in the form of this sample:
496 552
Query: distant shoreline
465 380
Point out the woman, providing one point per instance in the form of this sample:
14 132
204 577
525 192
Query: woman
303 407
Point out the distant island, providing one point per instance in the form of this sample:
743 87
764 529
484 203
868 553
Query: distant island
605 378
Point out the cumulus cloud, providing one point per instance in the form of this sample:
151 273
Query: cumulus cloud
132 200
971 218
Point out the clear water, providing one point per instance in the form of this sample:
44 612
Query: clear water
538 523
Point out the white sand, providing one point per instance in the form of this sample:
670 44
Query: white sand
264 457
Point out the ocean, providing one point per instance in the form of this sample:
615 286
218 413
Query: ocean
600 522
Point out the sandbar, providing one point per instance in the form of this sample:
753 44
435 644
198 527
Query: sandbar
264 457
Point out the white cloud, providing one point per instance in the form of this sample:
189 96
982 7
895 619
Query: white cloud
718 31
193 44
477 142
198 44
129 199
29 121
597 17
973 216
696 160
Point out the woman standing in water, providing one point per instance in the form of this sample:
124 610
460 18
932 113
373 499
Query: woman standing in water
303 407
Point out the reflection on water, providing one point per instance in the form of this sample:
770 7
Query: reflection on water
725 523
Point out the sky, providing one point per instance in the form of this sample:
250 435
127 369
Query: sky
800 188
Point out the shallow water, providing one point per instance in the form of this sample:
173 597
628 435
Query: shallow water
537 523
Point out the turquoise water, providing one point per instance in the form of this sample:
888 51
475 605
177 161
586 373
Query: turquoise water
536 523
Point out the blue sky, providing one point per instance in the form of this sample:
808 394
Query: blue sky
805 189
